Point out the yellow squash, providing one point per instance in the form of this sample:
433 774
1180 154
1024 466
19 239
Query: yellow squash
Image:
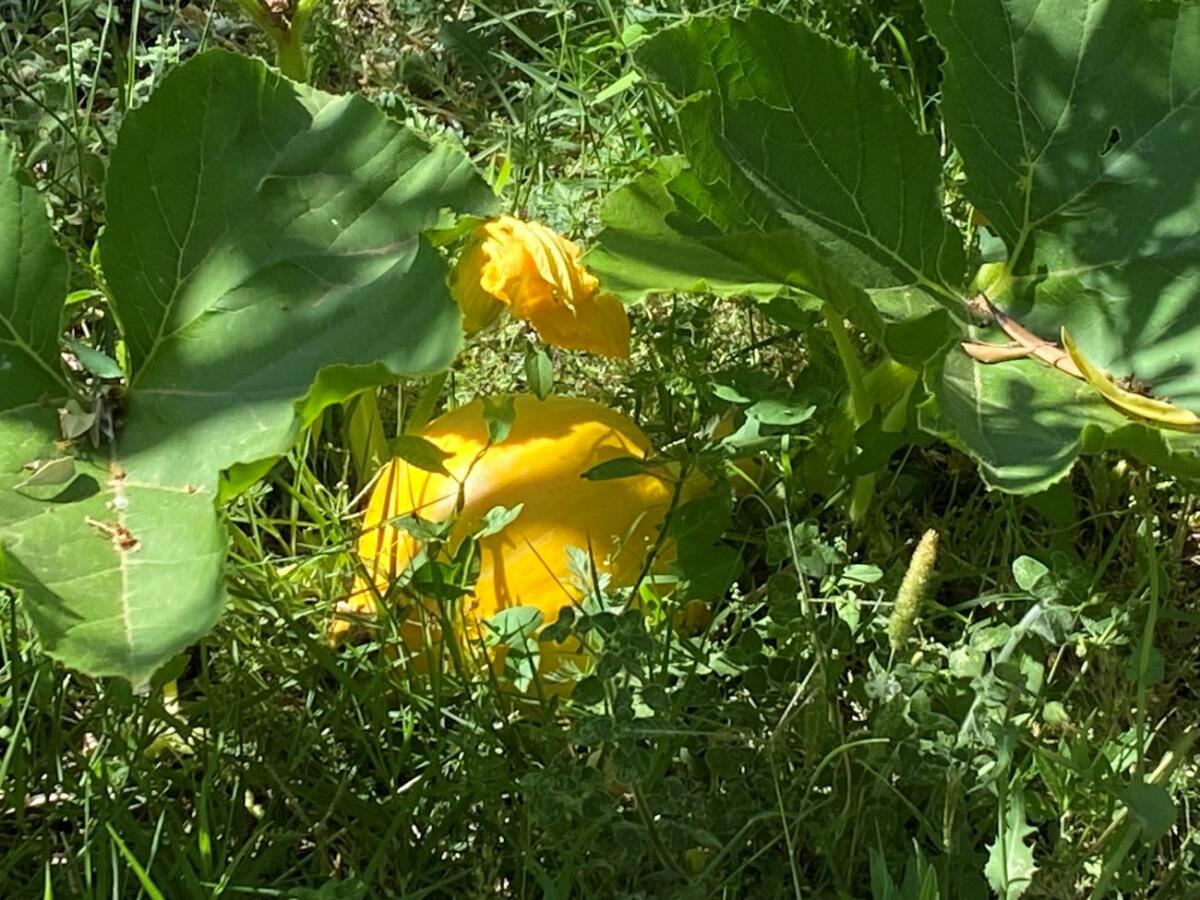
539 466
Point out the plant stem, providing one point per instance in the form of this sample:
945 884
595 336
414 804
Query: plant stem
288 36
290 57
861 496
860 404
293 62
423 411
362 430
859 401
262 18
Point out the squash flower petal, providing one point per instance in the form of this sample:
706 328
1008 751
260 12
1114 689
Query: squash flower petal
479 307
539 275
597 324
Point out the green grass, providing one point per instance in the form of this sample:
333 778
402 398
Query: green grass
785 751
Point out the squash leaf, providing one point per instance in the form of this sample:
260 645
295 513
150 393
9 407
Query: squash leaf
801 170
706 564
1076 130
265 258
33 283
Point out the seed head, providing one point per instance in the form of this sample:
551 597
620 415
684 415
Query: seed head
912 590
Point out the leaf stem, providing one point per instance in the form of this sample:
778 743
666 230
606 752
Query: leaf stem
262 18
860 404
423 411
290 57
287 35
859 400
364 435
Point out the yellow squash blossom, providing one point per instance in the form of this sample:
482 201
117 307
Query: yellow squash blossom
540 277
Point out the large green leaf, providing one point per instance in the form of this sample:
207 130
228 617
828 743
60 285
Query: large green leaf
265 257
1076 123
33 280
803 170
117 575
647 245
1026 429
33 283
776 111
270 232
